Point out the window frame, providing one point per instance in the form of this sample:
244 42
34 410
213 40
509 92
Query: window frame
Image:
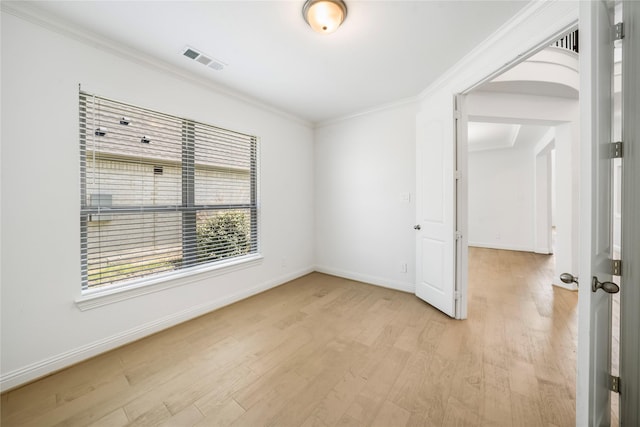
90 296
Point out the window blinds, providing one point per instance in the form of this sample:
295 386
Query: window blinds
161 193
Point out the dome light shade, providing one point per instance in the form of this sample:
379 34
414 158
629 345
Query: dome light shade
324 16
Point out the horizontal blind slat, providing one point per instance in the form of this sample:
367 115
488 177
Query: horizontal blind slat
161 193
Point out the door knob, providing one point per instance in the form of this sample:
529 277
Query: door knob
569 278
417 227
608 287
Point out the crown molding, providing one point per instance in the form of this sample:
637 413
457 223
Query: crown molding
30 13
562 14
365 112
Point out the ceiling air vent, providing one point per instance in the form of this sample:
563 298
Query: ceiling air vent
200 57
190 53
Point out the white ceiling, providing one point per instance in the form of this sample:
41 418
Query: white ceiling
494 136
385 51
488 136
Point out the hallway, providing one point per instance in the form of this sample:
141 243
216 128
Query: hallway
530 332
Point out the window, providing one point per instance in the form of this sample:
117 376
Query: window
161 193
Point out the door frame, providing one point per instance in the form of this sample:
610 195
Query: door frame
630 295
543 233
585 379
461 150
630 286
461 280
505 47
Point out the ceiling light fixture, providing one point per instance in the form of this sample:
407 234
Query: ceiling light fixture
324 16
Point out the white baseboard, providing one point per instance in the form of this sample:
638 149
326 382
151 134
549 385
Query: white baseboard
55 363
502 247
543 251
372 280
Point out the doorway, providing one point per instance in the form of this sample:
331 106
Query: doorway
508 193
523 158
522 162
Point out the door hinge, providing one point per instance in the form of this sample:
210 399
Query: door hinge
458 175
617 150
614 384
458 235
457 295
616 267
618 31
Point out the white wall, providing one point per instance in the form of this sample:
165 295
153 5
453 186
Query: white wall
42 329
502 198
364 186
567 172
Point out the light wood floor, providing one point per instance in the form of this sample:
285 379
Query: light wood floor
325 351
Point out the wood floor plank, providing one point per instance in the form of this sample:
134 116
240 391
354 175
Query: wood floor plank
326 351
221 414
457 414
117 418
526 411
495 411
299 409
262 404
156 415
391 415
405 392
62 412
188 417
360 413
223 388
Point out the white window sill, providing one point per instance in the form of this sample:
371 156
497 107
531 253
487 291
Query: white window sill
100 297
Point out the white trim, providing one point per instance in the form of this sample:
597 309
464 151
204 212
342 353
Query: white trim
501 247
368 111
112 294
47 366
461 166
371 280
544 144
543 251
27 12
630 297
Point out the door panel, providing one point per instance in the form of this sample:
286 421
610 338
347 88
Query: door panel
432 256
602 248
432 170
594 342
435 241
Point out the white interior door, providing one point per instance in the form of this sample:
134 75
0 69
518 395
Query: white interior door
594 335
435 206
